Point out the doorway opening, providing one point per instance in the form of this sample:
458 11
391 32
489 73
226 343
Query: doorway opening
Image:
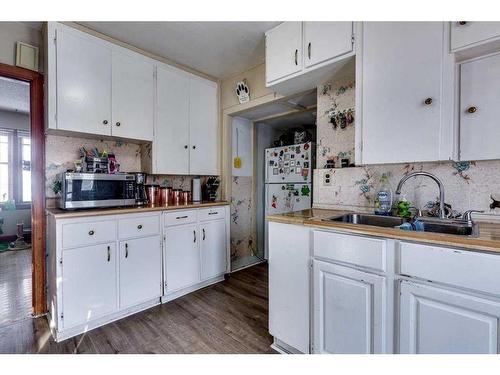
22 250
253 131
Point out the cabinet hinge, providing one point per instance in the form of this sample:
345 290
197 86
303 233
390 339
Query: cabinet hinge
165 284
352 38
60 261
62 316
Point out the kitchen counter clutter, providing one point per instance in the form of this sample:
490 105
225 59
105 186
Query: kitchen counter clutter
353 288
105 264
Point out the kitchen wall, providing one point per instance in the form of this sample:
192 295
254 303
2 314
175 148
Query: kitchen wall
12 32
14 120
468 185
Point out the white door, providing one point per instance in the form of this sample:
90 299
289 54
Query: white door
440 321
89 283
464 34
83 84
171 143
140 270
213 249
182 257
133 97
283 51
349 313
325 41
404 86
479 109
204 127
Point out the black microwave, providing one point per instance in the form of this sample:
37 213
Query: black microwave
89 190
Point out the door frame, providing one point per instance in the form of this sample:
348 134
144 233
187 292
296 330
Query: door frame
37 130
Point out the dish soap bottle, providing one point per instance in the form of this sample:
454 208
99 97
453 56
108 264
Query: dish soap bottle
383 199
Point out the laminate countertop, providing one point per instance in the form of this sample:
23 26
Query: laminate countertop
488 239
69 214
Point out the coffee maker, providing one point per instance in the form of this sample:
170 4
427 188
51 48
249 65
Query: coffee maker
141 197
209 190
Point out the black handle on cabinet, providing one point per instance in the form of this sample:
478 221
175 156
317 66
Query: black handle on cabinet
185 146
126 250
428 101
462 23
118 124
472 109
194 235
181 217
203 234
105 122
139 226
296 56
309 50
194 147
213 213
109 253
91 232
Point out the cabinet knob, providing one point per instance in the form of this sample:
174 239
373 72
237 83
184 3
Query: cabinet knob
91 232
194 147
186 146
428 101
139 226
118 124
471 109
462 23
105 122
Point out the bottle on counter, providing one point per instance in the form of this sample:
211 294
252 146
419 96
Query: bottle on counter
384 197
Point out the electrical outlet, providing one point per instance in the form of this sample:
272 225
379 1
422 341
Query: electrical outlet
327 178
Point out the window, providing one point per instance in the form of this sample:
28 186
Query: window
15 166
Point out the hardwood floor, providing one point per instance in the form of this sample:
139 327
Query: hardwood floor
15 286
228 317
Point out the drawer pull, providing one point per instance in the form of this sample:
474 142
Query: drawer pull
91 232
213 213
139 226
109 253
126 250
181 217
194 235
472 109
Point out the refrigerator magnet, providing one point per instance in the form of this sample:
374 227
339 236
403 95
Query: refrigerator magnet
298 170
292 163
275 171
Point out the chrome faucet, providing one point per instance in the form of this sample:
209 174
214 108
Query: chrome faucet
431 176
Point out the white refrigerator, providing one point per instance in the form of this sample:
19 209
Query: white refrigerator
287 181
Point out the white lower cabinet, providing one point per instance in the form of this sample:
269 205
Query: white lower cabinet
440 321
349 310
213 249
182 257
89 283
140 270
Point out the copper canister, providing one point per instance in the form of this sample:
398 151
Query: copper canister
152 194
176 196
163 196
185 197
169 195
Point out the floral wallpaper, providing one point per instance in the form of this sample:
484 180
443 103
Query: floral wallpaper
243 231
468 185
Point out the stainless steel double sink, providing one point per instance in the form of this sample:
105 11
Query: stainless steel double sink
426 224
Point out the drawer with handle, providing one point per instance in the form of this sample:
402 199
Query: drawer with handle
139 226
212 213
180 217
77 234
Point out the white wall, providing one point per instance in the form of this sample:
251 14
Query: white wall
14 120
12 32
242 130
11 218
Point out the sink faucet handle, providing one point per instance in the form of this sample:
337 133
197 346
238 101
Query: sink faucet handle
467 215
418 211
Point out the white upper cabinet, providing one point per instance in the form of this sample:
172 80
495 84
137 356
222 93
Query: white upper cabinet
133 97
187 129
465 34
83 84
283 51
171 144
325 41
302 55
404 92
479 109
203 131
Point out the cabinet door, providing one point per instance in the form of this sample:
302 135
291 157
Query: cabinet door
171 139
440 321
349 313
89 283
325 41
479 109
213 248
283 51
140 270
182 257
133 97
464 34
83 84
204 127
403 73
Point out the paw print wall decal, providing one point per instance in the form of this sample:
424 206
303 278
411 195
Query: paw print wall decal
243 92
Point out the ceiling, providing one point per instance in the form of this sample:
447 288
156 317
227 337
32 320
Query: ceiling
14 95
219 49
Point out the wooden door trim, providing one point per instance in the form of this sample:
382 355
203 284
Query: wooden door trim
37 135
